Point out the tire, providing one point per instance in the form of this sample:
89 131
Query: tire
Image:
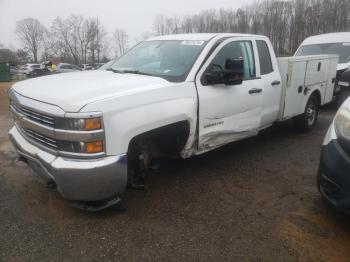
341 97
307 121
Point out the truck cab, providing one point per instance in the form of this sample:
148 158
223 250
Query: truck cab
96 132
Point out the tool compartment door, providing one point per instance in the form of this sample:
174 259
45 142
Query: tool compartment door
316 71
332 72
294 87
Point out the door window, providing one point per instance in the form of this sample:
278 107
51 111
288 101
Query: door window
237 49
264 57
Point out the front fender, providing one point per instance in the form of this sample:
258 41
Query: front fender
129 116
126 125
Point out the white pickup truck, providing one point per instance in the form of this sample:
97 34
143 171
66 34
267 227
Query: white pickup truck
94 133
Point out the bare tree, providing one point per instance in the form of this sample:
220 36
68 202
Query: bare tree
47 46
120 40
66 40
98 35
79 40
30 31
22 56
160 26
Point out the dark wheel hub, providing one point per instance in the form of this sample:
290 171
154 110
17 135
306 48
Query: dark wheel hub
311 112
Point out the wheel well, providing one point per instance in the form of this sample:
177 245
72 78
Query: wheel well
317 94
165 141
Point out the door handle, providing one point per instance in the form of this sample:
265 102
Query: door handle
255 91
275 83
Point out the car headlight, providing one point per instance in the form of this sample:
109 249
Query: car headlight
342 124
81 133
79 124
90 147
342 83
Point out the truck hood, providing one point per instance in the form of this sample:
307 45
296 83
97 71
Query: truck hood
72 91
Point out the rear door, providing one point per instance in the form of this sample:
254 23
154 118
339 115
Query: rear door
271 82
229 113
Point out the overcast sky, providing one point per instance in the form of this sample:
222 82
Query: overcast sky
135 17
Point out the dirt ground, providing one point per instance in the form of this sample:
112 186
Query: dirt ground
254 200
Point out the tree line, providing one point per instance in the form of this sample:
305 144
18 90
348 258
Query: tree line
287 23
75 40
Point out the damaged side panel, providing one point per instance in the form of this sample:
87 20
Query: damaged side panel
216 132
217 139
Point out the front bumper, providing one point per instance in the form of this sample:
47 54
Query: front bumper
76 179
334 175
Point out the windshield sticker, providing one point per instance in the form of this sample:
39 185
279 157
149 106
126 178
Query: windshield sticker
192 42
346 44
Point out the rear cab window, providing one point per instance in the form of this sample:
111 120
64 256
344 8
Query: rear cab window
264 57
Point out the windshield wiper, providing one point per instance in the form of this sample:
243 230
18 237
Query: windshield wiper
131 71
127 71
115 70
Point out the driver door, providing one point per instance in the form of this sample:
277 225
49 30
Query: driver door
229 112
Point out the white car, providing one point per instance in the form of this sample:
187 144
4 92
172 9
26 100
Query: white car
92 133
86 67
28 68
66 68
333 177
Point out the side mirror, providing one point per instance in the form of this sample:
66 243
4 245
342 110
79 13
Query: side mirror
214 75
232 74
234 71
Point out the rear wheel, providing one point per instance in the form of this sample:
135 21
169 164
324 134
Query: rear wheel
307 121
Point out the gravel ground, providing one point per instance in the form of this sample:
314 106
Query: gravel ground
255 200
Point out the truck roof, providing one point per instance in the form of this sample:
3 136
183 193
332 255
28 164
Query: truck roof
198 36
327 38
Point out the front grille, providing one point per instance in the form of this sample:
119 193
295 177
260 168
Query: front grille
41 139
42 130
35 116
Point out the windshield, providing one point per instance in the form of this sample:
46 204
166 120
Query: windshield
171 60
106 65
340 49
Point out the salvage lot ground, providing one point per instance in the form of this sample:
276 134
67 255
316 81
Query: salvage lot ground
251 201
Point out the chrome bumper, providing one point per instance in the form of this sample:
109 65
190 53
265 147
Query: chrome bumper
76 179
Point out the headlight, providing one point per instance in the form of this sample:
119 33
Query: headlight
342 124
90 147
79 124
81 133
342 83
